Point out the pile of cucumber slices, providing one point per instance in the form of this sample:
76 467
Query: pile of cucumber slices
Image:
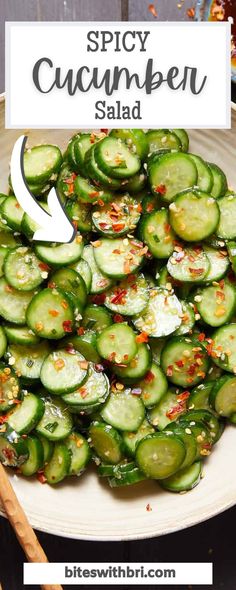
119 347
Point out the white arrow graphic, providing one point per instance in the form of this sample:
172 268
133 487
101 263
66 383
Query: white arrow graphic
54 227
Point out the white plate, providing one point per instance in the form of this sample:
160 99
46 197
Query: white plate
87 508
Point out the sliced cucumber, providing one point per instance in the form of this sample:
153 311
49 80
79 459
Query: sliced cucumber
189 442
208 418
170 407
25 416
223 349
199 397
118 217
59 465
219 264
190 265
184 480
20 334
86 344
226 228
89 193
131 439
27 360
160 455
170 174
47 448
84 270
117 343
223 396
80 213
205 177
126 477
162 316
119 257
9 388
3 342
96 318
63 371
115 159
184 361
157 233
137 367
124 411
220 186
129 297
97 175
194 215
56 422
159 139
184 138
41 163
202 437
14 303
50 314
79 451
154 386
36 456
216 304
13 448
106 442
135 139
72 283
12 212
57 256
23 270
94 390
188 320
99 282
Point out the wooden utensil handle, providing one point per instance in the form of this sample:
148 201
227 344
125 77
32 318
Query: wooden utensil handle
25 534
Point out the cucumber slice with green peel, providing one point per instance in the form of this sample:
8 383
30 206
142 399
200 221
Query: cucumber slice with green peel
115 159
205 177
220 185
94 390
8 239
63 371
170 174
117 344
27 359
70 281
129 297
25 416
106 442
159 139
56 422
9 388
23 270
190 265
61 255
153 386
36 456
20 334
216 304
14 303
12 212
70 153
13 448
194 215
184 480
118 217
169 408
137 367
231 247
89 193
202 437
97 175
162 316
66 182
3 253
80 213
3 343
84 270
150 203
105 470
223 349
208 418
119 257
156 345
219 264
99 282
223 396
184 361
28 225
59 465
183 137
41 163
127 478
136 184
124 411
213 373
96 318
83 144
50 314
135 139
86 344
188 440
160 455
79 451
131 439
2 198
200 396
226 227
188 320
47 446
157 233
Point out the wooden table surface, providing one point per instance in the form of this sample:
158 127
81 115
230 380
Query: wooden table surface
210 541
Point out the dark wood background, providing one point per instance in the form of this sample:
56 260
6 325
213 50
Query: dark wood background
210 541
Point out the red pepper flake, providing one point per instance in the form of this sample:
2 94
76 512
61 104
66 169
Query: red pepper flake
118 298
100 202
139 208
175 411
150 207
117 227
67 326
169 371
104 225
179 363
148 508
191 12
99 298
75 224
221 284
70 179
201 337
152 10
53 312
104 131
44 266
149 377
3 419
83 392
112 356
80 331
196 271
183 396
191 370
161 189
17 205
41 477
51 285
142 337
9 454
167 227
94 194
118 318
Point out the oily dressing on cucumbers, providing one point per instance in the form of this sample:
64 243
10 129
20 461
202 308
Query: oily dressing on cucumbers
119 347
